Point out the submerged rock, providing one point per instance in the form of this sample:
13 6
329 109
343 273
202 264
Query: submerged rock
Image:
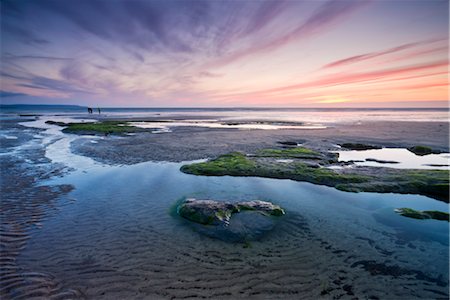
206 212
209 212
232 222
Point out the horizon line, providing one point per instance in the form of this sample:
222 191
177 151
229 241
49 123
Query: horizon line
229 107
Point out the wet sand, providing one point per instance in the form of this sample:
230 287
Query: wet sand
25 204
191 143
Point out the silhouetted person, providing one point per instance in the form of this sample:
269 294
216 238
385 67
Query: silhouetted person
98 110
89 110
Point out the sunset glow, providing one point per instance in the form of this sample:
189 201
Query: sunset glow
226 53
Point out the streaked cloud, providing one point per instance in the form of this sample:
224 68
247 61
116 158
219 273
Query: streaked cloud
387 52
213 53
4 94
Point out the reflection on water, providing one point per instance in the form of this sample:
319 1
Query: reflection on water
311 115
119 239
165 126
406 159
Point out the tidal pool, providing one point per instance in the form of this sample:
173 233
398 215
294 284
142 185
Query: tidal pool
118 238
405 159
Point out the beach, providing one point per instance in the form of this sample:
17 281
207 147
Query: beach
203 149
92 216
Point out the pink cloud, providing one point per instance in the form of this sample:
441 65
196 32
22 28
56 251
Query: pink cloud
340 78
372 55
325 17
424 85
312 88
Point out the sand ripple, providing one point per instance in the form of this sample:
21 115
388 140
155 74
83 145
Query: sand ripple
24 204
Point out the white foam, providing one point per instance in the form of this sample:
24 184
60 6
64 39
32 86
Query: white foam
162 130
9 137
287 161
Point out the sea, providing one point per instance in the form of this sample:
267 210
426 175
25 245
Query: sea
307 115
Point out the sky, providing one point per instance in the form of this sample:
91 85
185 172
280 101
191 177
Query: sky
136 53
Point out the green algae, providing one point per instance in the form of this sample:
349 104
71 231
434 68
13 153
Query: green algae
106 127
298 152
235 164
325 176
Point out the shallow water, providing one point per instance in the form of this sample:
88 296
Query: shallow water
118 238
405 159
166 126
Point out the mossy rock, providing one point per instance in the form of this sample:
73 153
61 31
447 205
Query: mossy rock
422 150
422 215
431 183
106 127
209 212
234 163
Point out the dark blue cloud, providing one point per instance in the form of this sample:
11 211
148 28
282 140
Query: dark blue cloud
4 94
178 26
40 82
9 56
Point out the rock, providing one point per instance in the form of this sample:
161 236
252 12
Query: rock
288 143
422 150
29 115
357 146
50 122
263 207
382 161
230 222
426 214
209 212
